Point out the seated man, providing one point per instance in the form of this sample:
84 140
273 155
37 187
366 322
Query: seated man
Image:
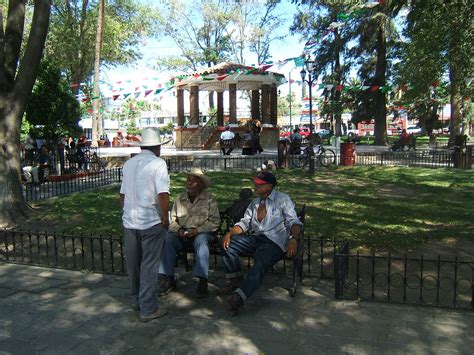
194 221
39 170
226 138
269 230
295 142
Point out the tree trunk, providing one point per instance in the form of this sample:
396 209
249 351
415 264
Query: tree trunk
456 102
96 117
14 93
380 98
13 207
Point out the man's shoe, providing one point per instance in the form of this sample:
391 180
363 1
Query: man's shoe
231 287
166 285
234 304
202 290
160 312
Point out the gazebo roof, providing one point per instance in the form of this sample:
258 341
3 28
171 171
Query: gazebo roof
218 78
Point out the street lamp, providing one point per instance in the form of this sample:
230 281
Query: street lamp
311 78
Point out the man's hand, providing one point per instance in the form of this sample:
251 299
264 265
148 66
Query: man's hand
191 233
181 234
165 223
226 241
292 248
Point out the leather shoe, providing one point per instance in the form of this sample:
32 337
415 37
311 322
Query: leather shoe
234 304
166 285
202 290
160 312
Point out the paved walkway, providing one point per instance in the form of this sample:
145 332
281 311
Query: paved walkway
49 311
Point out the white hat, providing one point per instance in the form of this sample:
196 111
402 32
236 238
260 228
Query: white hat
151 137
200 174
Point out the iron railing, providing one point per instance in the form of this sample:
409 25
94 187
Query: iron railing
105 254
67 161
407 280
69 183
89 253
422 159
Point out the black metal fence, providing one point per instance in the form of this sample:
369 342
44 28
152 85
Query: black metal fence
407 280
218 163
89 253
69 183
105 254
67 161
424 158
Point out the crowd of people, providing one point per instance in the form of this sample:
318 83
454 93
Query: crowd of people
268 229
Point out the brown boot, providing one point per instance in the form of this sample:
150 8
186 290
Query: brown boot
232 285
234 304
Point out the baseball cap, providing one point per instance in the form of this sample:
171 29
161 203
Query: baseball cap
265 177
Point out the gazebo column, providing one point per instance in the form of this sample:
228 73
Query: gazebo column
273 105
233 103
180 108
265 103
255 105
220 108
194 106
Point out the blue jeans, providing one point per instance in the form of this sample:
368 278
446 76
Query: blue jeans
265 253
143 249
173 244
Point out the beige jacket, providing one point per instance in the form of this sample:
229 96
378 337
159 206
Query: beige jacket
203 214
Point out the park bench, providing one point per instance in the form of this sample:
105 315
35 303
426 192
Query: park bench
227 223
237 142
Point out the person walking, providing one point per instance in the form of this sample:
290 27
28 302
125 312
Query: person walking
144 198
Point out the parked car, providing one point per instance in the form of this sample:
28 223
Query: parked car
413 129
323 133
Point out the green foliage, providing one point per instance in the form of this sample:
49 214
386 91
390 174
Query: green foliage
371 206
52 110
72 34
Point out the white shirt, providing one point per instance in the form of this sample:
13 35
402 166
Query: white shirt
144 177
226 135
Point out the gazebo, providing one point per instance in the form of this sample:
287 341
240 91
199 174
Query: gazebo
222 78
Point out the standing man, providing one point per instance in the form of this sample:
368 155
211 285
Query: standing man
144 197
194 222
226 141
269 229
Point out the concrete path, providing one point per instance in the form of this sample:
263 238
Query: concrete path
50 311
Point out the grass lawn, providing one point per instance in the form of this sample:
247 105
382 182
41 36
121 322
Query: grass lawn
373 206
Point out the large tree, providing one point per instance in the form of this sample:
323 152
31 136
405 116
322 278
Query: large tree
312 21
52 106
440 45
18 70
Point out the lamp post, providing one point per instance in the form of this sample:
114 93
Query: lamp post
311 78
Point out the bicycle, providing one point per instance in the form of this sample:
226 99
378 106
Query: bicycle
325 156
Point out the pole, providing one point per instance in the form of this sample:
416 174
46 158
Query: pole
289 95
311 145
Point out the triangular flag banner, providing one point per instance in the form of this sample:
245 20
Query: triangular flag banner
157 91
115 97
222 77
148 92
374 88
137 94
125 96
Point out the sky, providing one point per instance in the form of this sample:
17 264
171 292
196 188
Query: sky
142 73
